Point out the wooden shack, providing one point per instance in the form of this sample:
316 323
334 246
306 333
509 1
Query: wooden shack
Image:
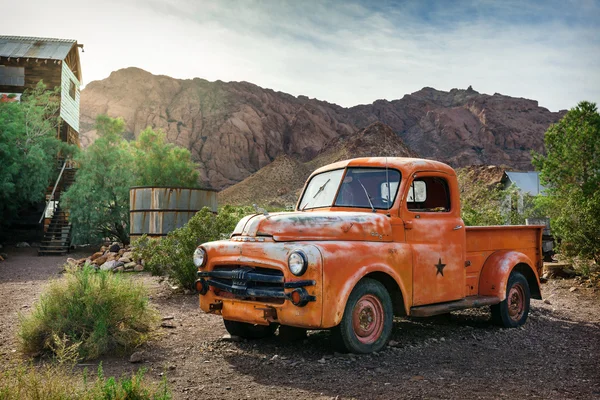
24 61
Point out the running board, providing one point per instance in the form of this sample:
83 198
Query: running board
443 308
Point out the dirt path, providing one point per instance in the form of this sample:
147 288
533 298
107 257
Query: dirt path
556 355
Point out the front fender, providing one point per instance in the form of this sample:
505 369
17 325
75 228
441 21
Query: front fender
333 309
497 269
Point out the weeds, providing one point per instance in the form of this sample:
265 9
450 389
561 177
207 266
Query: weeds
54 382
86 314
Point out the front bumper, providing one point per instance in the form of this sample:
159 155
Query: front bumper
250 282
243 281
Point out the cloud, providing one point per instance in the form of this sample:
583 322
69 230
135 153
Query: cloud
343 52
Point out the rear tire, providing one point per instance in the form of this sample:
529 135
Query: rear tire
249 331
513 311
368 319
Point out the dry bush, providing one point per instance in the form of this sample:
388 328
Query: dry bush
89 313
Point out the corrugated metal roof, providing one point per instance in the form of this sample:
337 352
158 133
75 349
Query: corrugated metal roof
35 47
528 182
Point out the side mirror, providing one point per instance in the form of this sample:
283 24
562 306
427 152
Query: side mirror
417 192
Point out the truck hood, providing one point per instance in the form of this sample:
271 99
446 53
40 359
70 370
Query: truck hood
302 226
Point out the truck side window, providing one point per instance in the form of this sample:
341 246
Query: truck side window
429 194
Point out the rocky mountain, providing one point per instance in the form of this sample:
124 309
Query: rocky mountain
489 175
234 129
279 184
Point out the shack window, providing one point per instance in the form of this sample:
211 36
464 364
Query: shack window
12 76
72 90
428 194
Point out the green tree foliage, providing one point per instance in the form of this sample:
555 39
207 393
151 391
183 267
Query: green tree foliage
158 163
28 148
481 204
99 199
91 312
484 204
172 255
571 171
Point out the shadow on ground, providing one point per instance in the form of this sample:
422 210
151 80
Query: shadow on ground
456 355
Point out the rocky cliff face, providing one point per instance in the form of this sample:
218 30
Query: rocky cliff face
234 129
279 184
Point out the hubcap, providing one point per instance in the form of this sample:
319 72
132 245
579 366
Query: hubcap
516 302
367 319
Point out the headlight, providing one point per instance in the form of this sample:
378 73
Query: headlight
199 257
297 263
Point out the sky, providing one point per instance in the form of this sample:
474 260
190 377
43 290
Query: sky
345 52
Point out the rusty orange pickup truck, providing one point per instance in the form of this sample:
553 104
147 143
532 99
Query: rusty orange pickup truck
370 239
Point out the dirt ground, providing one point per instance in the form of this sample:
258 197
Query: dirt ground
555 355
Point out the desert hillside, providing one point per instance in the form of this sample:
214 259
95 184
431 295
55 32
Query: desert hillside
234 129
280 183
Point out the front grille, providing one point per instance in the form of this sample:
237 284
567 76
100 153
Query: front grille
236 281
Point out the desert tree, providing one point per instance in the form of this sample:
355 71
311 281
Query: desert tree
98 201
28 149
571 171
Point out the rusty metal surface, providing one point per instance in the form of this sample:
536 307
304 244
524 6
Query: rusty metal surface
156 211
272 255
443 308
288 226
35 47
426 256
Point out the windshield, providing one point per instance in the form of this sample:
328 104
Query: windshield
372 188
321 190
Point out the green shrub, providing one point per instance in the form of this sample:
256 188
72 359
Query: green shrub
96 311
488 204
172 255
57 383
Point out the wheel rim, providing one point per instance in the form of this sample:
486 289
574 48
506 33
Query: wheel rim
367 319
516 302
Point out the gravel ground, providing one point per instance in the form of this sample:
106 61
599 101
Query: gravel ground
556 355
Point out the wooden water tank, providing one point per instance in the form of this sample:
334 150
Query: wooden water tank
156 211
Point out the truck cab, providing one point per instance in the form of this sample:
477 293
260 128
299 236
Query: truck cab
369 238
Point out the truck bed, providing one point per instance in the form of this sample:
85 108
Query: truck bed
482 241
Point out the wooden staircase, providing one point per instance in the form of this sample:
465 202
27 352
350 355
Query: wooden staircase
57 236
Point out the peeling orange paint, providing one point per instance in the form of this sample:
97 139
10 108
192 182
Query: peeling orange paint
426 256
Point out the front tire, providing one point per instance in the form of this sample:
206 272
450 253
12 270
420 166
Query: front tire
513 311
249 331
368 319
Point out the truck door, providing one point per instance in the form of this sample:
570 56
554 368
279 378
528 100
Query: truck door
436 233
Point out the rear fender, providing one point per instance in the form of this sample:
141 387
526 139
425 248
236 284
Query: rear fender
333 316
497 269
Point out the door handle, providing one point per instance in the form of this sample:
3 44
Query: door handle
408 224
457 227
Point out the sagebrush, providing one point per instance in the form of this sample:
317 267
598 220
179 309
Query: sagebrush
57 383
171 256
96 311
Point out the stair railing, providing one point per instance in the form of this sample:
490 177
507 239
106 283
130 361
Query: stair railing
51 199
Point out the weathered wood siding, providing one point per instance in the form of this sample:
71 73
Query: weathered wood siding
35 71
69 106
